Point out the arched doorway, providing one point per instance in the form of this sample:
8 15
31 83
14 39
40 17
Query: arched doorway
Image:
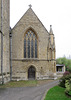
31 72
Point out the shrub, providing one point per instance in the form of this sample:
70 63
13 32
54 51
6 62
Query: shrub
69 69
68 87
69 92
66 73
63 79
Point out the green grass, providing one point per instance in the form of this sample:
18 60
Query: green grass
25 83
19 84
56 93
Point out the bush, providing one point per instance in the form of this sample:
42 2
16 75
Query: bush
68 88
69 69
67 85
69 92
66 73
63 79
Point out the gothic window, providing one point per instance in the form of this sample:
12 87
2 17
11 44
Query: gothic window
35 48
30 45
24 48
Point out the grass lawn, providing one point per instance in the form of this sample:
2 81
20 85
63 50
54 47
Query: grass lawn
25 83
19 84
56 93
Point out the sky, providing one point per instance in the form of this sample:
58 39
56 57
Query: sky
50 12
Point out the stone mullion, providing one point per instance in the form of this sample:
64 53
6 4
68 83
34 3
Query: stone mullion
24 48
34 48
30 47
27 47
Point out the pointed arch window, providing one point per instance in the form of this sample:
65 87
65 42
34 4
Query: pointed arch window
30 44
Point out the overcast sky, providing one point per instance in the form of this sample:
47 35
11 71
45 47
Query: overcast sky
50 12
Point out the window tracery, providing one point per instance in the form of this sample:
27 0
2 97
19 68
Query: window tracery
30 45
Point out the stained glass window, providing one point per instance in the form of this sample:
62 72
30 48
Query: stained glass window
32 55
28 48
24 48
35 48
30 45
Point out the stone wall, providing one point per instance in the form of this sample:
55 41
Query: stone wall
29 20
6 29
0 36
5 22
43 69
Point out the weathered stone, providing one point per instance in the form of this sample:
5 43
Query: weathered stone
44 64
4 28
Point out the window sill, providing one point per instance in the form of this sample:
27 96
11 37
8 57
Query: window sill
29 59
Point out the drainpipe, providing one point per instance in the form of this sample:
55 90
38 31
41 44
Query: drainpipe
10 55
2 44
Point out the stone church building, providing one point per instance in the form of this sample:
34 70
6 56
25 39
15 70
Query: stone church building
28 50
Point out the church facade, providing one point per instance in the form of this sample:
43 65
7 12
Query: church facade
27 50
